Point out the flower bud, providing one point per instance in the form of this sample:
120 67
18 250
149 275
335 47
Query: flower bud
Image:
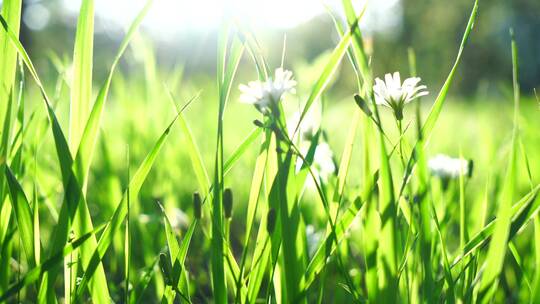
166 269
197 205
258 123
271 221
71 236
470 168
362 104
227 202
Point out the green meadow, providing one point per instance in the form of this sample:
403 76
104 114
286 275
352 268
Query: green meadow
268 181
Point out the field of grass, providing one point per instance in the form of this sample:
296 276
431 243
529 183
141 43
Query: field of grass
153 186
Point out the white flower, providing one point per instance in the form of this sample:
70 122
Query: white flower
265 94
179 219
394 94
308 127
323 162
144 218
313 238
446 167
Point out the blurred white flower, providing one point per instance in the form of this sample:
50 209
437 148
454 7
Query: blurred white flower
179 219
265 94
394 94
313 238
144 218
446 167
323 162
308 127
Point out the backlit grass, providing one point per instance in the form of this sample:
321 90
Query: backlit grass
164 188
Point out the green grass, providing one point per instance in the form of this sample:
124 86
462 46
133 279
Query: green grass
97 183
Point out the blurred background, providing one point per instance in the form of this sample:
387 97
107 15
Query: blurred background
184 33
177 48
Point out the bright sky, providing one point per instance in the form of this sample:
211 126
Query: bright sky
168 17
172 16
185 15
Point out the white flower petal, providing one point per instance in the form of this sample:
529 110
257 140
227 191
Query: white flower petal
397 79
392 93
411 82
445 166
262 94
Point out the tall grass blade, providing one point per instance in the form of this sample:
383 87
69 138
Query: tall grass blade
11 12
83 160
120 213
81 87
229 54
330 68
497 247
86 148
436 109
174 251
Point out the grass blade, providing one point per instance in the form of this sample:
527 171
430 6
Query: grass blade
497 247
81 87
120 213
330 68
56 259
521 212
436 109
24 216
229 54
11 12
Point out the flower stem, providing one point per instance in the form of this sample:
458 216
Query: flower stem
400 129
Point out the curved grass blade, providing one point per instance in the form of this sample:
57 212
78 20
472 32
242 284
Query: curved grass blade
241 149
436 109
73 197
56 259
326 248
177 271
91 130
331 66
254 49
120 213
144 280
87 145
83 160
521 212
193 150
24 217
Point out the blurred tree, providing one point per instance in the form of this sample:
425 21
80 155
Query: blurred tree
433 29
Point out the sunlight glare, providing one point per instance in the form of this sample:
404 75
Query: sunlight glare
173 16
169 17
